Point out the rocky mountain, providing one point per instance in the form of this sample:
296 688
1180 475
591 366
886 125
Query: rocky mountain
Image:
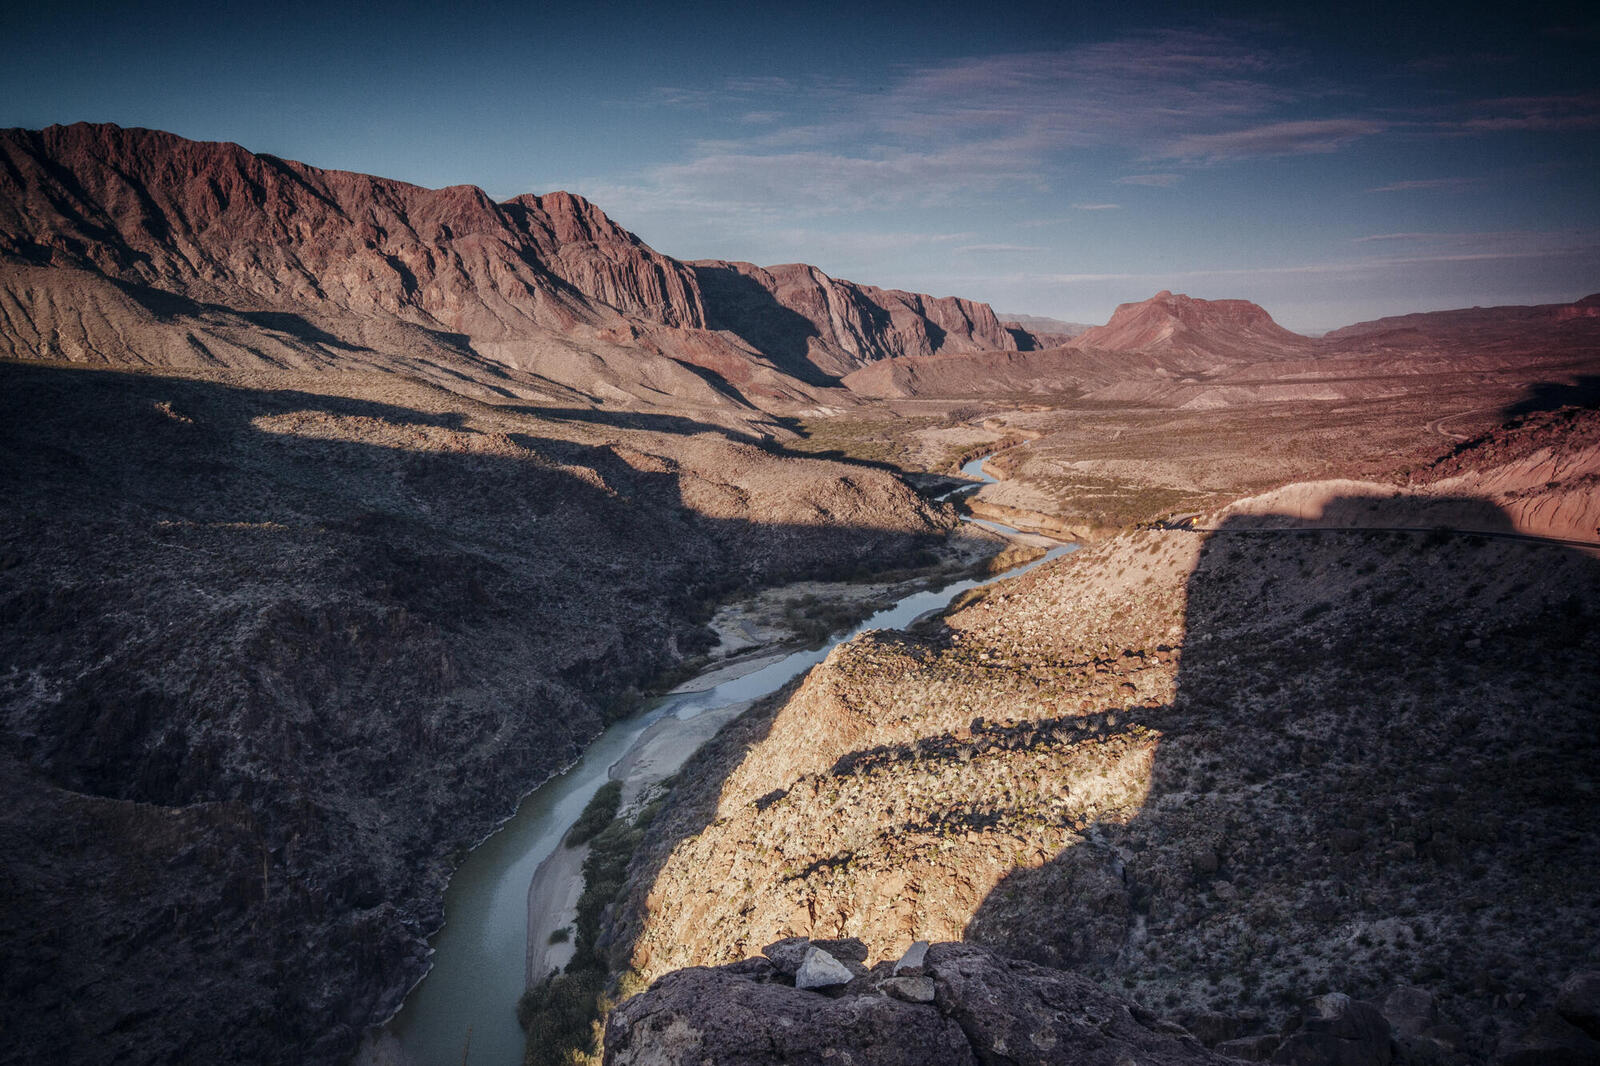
277 646
1224 330
820 328
134 246
1342 745
1479 328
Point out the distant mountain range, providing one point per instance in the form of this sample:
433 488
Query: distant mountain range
136 246
131 246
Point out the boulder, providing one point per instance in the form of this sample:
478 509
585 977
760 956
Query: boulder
1338 1031
911 989
985 1008
702 1015
821 970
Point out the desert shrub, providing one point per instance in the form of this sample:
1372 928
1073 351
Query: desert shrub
559 1016
600 812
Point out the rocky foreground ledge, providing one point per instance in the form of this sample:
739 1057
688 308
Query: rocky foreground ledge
817 1002
945 1004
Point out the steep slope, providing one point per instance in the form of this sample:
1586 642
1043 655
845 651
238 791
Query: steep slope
1219 773
177 245
1479 328
177 251
820 328
277 646
1225 330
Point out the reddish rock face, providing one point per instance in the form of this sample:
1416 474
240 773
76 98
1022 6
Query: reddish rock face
215 222
1182 324
172 248
808 322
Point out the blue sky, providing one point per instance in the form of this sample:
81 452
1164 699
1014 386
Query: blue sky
1333 164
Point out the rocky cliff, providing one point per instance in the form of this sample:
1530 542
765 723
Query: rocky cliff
128 246
812 324
134 246
939 1005
1222 773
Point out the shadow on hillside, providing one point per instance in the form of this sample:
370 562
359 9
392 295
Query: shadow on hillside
743 307
1542 396
1378 768
648 421
354 631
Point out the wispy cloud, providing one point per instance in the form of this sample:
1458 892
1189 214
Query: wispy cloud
1157 181
1544 114
999 248
1308 136
1097 207
1422 184
942 133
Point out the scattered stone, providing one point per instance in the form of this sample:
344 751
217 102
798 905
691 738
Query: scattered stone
911 961
910 989
821 970
1224 891
1579 1002
1338 1031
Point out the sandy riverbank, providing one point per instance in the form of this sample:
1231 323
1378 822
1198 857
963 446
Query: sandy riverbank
661 749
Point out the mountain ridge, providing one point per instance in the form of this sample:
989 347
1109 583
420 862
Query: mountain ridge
546 289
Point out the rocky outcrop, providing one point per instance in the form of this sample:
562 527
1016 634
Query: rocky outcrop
1221 330
978 1007
811 324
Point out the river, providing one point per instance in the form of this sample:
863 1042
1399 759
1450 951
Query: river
464 1010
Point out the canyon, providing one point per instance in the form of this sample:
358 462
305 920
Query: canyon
340 513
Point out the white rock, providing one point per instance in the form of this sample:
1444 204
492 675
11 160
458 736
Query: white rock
821 970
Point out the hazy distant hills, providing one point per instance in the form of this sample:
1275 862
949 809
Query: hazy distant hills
1478 327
